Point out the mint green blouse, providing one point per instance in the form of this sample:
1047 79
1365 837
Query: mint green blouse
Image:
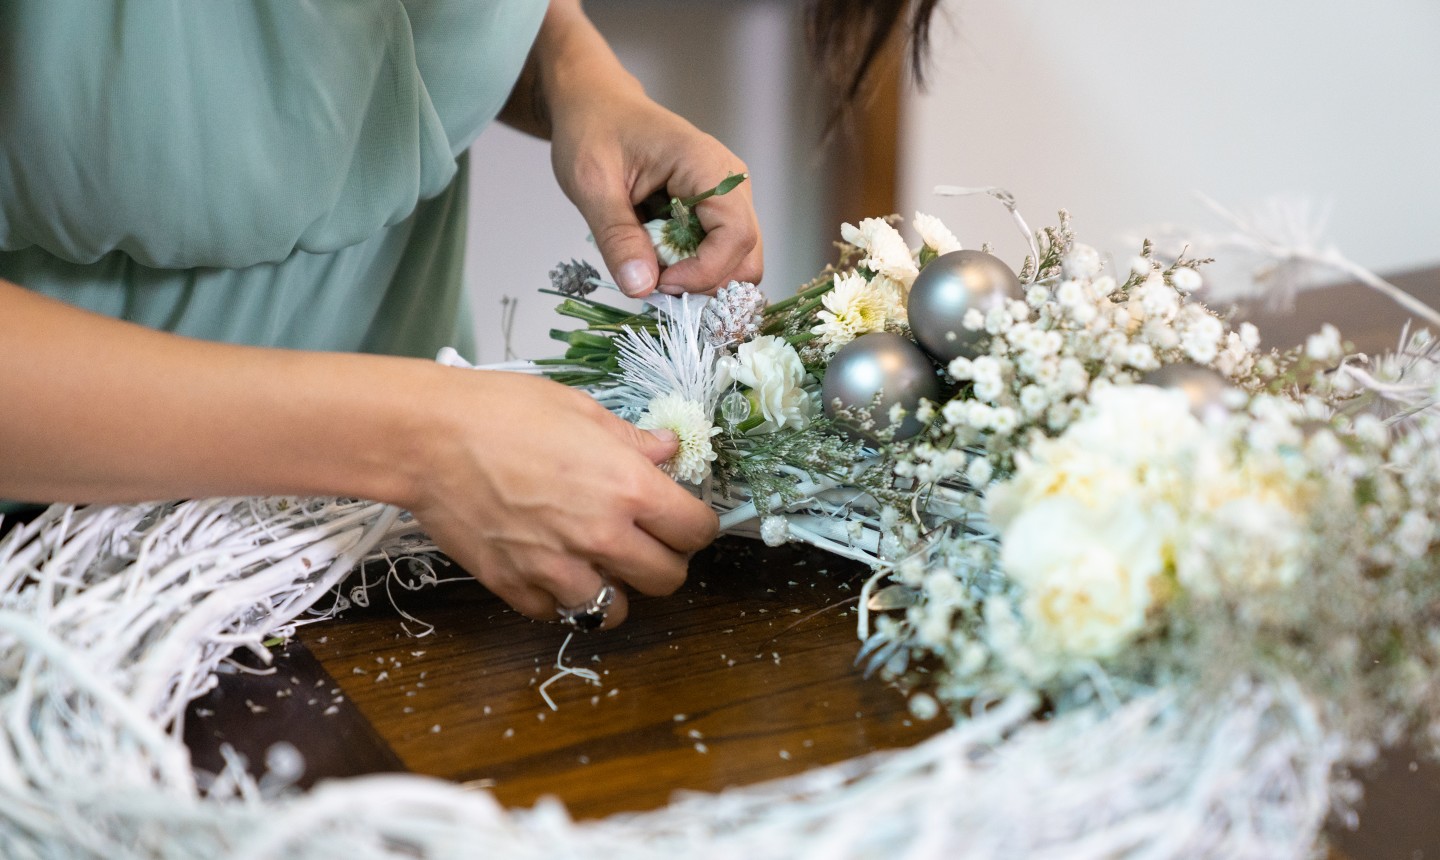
273 172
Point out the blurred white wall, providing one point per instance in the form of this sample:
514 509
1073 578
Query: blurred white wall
1115 109
1119 109
735 69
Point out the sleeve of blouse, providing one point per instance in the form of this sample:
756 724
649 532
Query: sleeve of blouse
191 134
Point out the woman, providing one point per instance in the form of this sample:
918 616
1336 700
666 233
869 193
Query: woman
262 205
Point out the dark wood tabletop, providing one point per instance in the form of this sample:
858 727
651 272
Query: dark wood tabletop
747 673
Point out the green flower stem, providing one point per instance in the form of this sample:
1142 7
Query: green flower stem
803 295
773 325
591 363
726 185
584 339
757 417
579 378
588 309
589 315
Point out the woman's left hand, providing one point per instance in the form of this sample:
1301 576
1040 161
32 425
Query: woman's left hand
612 146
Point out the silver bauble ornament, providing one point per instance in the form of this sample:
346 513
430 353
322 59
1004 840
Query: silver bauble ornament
946 289
1206 391
886 365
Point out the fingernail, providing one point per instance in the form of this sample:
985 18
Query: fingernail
670 289
634 278
664 434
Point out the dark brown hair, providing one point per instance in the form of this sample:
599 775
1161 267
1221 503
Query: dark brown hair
846 37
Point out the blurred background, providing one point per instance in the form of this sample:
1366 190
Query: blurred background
1118 110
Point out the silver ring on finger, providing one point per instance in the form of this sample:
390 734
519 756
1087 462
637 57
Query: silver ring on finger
590 615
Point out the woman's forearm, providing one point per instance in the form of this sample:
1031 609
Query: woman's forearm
568 61
101 410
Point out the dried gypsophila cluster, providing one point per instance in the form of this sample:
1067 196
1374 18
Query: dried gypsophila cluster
1077 332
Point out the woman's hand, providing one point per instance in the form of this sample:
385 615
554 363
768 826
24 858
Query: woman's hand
534 488
612 147
540 492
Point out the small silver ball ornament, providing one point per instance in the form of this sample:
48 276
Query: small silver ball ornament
885 365
1205 390
948 288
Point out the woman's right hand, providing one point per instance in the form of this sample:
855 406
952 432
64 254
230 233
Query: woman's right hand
539 492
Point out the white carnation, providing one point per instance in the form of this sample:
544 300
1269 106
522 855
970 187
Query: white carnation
772 370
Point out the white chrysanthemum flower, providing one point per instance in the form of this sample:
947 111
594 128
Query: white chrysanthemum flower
690 422
892 294
668 252
851 309
936 236
772 370
885 250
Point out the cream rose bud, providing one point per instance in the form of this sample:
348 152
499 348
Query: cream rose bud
772 370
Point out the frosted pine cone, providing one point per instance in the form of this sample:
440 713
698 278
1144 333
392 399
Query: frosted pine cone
734 315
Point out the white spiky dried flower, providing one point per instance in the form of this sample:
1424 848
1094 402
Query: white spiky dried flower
674 360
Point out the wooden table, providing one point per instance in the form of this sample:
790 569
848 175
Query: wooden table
746 674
